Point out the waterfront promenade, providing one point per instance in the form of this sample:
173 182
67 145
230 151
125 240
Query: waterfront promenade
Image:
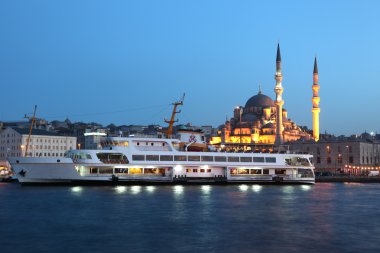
347 179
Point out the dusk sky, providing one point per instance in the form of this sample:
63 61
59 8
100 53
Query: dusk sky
124 62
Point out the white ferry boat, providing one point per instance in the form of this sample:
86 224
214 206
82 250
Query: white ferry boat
132 160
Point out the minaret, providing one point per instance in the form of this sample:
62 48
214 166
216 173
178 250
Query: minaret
279 102
315 101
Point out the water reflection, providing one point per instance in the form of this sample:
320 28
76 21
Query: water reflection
243 187
256 188
306 187
288 189
77 189
206 189
178 190
150 189
135 189
120 189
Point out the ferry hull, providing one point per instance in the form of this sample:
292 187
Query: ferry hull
35 170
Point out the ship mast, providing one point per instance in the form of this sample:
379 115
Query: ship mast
30 129
172 120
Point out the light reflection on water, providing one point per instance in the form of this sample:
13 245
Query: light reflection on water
76 189
150 188
136 189
206 189
243 187
178 190
306 187
256 188
235 218
121 189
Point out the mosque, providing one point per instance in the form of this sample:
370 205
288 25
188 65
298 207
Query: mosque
263 124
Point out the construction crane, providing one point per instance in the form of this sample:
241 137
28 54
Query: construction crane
33 119
172 120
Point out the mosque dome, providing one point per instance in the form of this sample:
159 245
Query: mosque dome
259 100
249 117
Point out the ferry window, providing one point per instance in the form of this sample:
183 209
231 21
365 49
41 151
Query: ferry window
266 171
207 158
255 172
233 171
93 170
209 170
166 158
152 144
270 159
243 171
195 170
192 158
188 170
245 159
138 157
152 157
105 171
258 159
233 159
121 170
180 158
280 172
154 171
305 173
220 159
112 158
202 170
135 170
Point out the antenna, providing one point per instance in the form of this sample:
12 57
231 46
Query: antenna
30 129
172 120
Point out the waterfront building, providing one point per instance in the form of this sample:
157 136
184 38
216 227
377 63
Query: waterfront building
13 142
351 155
263 124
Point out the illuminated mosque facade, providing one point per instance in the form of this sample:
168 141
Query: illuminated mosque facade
263 124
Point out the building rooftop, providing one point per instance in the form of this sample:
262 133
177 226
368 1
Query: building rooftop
25 131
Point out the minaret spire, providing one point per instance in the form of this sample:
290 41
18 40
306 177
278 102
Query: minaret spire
315 100
279 102
260 92
315 66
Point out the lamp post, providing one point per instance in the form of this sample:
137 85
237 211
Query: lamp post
22 146
348 157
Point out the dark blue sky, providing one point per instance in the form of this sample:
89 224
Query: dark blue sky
126 61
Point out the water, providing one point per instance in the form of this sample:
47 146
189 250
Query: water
235 218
